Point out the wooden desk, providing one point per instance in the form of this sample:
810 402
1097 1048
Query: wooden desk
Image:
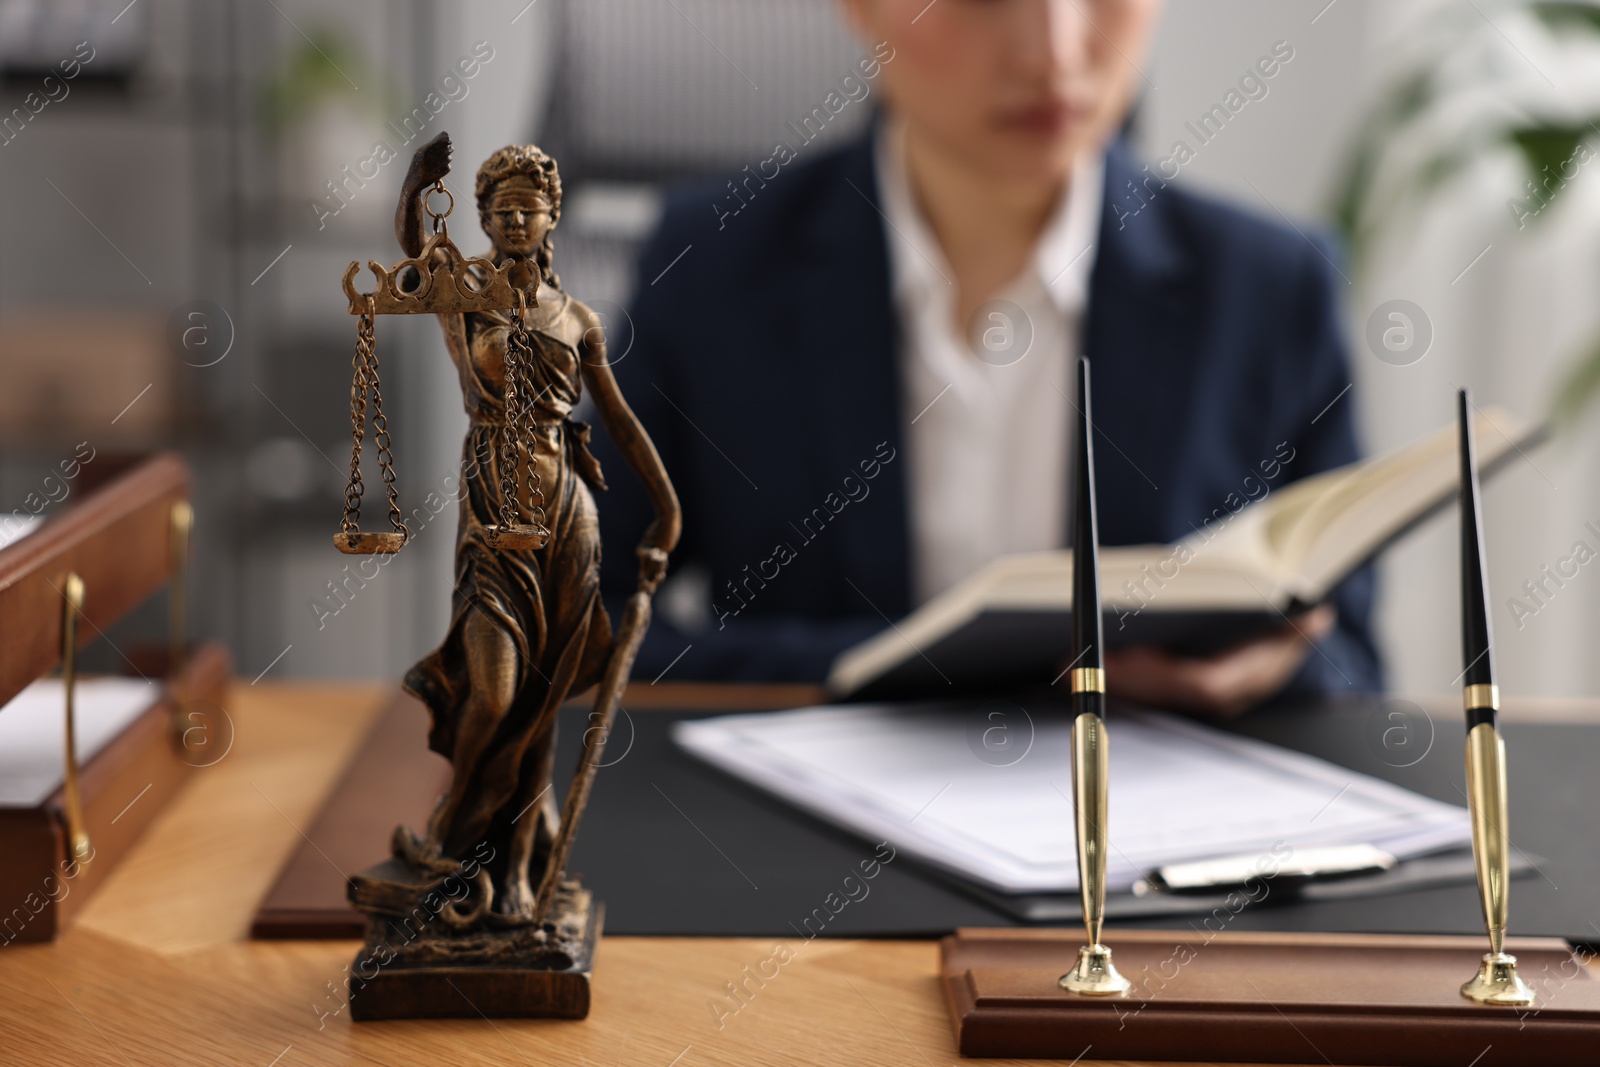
158 968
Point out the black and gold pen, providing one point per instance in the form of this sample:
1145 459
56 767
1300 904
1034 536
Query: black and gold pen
1497 981
1094 974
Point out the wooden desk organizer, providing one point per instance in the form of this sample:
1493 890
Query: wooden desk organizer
123 539
1238 997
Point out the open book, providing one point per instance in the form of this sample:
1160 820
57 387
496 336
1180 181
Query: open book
1241 573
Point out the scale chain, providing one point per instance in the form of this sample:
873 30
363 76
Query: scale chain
380 438
364 379
358 420
530 414
511 465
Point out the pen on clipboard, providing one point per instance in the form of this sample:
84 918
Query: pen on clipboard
1231 872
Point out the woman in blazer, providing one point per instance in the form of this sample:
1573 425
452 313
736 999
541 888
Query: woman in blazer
855 362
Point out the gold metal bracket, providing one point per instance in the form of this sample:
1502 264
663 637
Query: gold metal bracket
1496 981
177 609
178 590
1094 974
76 833
1088 680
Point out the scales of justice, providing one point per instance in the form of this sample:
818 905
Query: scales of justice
474 913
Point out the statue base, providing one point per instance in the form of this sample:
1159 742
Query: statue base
415 965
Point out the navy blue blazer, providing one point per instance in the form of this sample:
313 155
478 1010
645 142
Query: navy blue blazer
762 361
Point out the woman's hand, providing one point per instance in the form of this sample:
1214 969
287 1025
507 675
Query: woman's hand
1222 685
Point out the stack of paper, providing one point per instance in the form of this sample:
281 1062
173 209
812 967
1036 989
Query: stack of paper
33 734
984 790
16 526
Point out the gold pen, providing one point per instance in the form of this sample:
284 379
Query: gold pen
1497 981
1094 974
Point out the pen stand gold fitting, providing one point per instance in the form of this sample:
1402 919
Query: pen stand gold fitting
1497 982
1095 975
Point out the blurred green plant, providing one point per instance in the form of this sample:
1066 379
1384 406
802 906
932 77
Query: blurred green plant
1467 92
316 73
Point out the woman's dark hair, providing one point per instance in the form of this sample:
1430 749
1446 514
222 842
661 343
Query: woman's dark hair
529 162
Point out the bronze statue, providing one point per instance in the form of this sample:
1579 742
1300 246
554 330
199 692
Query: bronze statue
527 628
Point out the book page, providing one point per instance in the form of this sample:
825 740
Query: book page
1225 573
1374 502
1313 532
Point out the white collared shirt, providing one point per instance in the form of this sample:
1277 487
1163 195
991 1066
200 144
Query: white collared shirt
988 417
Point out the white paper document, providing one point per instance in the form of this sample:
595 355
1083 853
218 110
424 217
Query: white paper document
33 738
938 783
16 526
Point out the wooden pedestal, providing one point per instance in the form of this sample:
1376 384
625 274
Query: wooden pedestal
1266 998
474 993
416 968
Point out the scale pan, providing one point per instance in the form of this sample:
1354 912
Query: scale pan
357 543
519 536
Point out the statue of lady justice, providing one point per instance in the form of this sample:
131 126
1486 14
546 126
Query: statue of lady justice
527 627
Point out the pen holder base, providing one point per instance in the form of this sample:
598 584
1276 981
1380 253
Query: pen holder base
1497 982
1205 995
1094 975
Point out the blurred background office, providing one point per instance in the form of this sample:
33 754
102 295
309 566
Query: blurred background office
185 181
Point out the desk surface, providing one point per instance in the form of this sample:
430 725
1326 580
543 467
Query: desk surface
158 968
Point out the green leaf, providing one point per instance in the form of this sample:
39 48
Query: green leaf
1351 201
1578 387
1565 15
317 71
1547 149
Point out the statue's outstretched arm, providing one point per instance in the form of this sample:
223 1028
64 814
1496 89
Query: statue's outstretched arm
429 165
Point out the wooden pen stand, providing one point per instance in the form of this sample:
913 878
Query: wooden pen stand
62 585
1266 998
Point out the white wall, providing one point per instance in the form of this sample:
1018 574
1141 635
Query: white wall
1505 328
1290 142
